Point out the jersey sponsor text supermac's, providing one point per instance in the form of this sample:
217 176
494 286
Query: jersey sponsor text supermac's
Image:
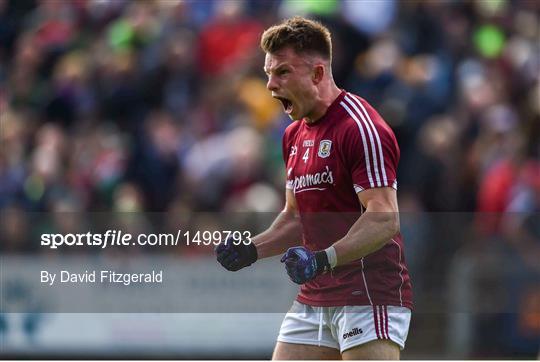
310 181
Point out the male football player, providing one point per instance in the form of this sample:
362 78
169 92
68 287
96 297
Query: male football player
341 159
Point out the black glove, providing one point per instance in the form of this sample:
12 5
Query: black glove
234 254
302 265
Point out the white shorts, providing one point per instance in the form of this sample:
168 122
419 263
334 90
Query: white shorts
344 327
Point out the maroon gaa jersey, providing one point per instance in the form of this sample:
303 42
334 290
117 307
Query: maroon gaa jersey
348 150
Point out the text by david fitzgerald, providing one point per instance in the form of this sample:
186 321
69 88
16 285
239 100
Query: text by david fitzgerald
101 276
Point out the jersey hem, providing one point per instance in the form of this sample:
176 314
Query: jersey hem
341 303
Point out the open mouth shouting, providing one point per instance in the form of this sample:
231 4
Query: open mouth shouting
287 104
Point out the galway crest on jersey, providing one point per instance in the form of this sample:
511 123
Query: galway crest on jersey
324 148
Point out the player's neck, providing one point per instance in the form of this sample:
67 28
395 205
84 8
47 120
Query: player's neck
326 97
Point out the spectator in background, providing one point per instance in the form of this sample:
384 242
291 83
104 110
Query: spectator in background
227 39
123 63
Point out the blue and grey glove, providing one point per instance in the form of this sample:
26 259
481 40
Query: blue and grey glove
234 254
303 265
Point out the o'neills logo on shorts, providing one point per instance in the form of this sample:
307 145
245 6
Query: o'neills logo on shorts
311 181
354 332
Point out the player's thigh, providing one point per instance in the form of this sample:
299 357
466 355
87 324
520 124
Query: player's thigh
379 349
293 351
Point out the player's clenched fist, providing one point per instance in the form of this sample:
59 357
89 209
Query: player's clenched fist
234 255
302 265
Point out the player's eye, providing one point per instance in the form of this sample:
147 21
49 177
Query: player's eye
283 72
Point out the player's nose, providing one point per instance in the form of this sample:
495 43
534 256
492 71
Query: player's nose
272 85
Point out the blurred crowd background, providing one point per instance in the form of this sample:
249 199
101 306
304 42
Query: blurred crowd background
162 106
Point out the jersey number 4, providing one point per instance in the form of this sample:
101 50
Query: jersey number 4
306 156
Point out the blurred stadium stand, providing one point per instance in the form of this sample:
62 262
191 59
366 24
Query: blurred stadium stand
161 106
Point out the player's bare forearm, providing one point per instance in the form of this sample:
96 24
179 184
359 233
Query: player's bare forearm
376 227
285 232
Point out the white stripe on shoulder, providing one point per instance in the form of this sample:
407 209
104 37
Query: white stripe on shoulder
381 155
370 134
366 153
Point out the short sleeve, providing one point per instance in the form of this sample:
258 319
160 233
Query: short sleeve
288 149
285 147
371 149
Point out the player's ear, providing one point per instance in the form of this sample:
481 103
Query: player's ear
318 73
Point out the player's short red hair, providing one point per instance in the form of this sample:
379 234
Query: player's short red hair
301 34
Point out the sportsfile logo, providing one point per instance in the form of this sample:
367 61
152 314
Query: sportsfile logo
310 181
354 332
